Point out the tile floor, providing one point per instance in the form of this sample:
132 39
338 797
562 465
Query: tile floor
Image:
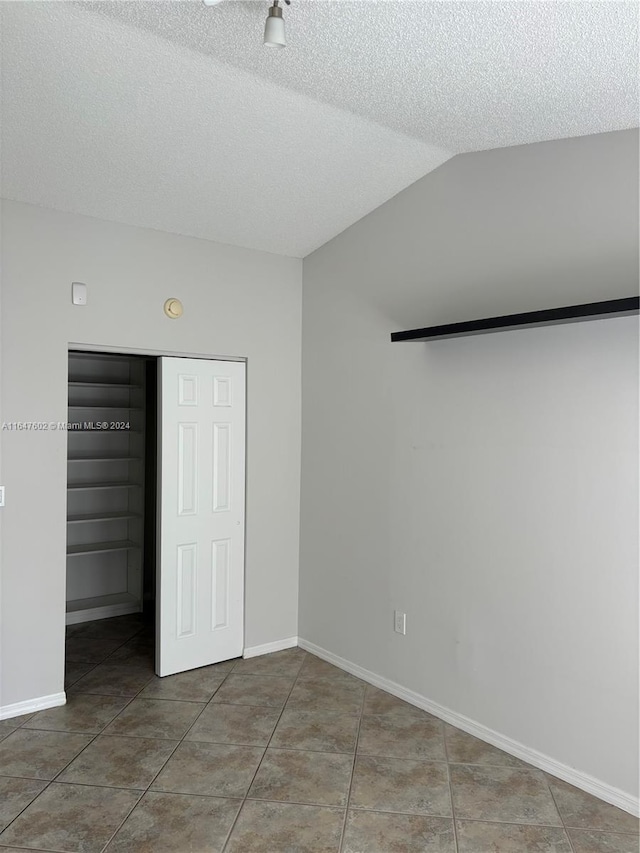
278 754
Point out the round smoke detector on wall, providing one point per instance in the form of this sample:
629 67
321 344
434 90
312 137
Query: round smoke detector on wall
173 308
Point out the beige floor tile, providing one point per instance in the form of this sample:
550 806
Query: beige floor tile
589 841
89 650
505 794
582 811
286 828
474 837
84 712
320 731
235 724
326 694
314 667
39 755
13 723
155 718
379 832
138 651
71 819
399 785
378 702
286 663
466 749
74 671
303 777
263 691
109 680
197 685
15 795
402 736
210 769
176 823
119 762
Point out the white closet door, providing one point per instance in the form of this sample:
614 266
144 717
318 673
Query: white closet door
201 481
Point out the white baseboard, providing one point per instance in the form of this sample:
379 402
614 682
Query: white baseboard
584 781
32 705
267 648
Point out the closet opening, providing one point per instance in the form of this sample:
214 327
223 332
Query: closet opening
156 448
111 505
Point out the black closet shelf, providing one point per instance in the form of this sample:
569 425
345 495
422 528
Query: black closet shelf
549 317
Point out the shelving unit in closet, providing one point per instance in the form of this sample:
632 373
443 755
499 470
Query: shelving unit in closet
105 486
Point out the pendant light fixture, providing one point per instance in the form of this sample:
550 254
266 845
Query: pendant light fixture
274 27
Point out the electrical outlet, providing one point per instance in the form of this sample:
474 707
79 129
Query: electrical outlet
400 622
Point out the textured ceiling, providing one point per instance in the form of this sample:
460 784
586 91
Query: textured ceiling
173 115
461 75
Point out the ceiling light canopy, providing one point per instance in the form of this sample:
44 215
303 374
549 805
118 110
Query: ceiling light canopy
274 27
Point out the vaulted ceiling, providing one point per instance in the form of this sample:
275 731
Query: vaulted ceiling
173 115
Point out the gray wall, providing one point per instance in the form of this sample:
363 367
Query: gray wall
487 486
237 303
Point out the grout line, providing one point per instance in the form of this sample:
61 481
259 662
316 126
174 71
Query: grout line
379 810
409 758
47 784
127 816
591 829
353 771
548 783
536 825
274 748
246 796
91 666
193 794
453 808
314 805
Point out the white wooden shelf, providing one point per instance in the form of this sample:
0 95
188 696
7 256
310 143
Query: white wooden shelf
101 607
124 406
101 547
72 431
94 458
101 385
99 485
88 517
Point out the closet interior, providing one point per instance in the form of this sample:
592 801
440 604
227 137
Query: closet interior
111 483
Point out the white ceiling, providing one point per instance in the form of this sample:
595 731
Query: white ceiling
172 115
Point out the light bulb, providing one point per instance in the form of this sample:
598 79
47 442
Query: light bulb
274 28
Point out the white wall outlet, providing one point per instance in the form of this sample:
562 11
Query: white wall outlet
400 622
1 495
78 293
